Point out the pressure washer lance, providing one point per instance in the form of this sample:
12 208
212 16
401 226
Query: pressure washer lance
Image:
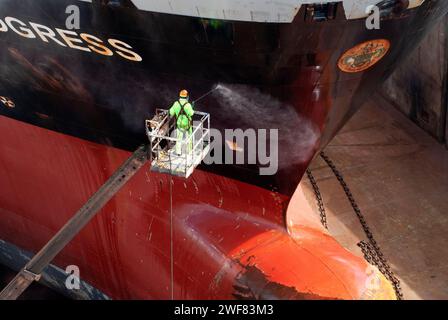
207 94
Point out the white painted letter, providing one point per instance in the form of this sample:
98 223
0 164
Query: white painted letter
3 26
24 32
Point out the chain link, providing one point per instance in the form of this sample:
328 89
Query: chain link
320 203
371 250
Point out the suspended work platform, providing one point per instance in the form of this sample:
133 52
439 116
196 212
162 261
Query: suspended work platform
165 143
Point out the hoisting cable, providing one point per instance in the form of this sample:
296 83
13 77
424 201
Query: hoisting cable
371 250
171 233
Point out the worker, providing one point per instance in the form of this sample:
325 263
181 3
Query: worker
183 111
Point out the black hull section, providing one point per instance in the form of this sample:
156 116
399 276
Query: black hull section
277 76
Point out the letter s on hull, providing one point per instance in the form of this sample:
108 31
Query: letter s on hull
65 38
123 50
95 44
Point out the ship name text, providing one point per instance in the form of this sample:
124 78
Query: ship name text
69 38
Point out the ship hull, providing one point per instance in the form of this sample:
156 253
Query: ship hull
78 114
229 238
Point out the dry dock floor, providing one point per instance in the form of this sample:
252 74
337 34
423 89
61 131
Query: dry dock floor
399 177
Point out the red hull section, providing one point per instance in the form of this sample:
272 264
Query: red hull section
230 238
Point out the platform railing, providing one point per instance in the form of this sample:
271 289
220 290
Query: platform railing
163 144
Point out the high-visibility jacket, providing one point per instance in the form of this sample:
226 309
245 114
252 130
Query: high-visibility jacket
183 111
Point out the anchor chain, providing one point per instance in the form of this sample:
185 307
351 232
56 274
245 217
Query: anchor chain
320 203
370 249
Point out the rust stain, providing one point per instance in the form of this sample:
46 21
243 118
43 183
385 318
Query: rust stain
217 280
221 198
42 115
149 234
196 189
58 79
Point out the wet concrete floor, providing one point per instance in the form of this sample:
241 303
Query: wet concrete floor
399 177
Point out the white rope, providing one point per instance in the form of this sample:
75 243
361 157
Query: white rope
171 234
